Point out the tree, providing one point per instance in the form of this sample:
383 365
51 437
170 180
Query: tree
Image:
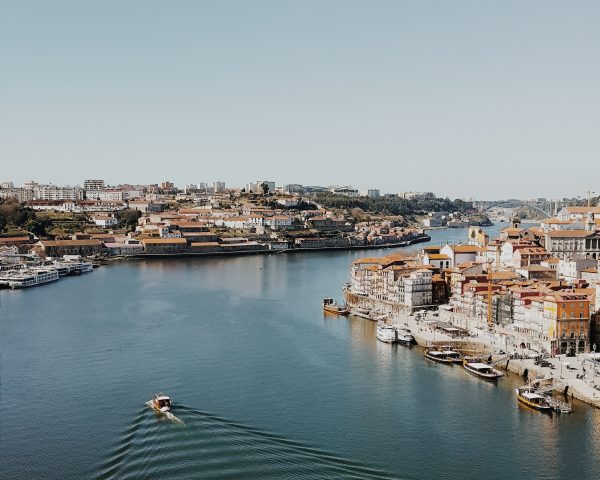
128 218
265 188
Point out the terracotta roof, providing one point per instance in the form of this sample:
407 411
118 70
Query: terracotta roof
465 248
70 243
568 233
438 256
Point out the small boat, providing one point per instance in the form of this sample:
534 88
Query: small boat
482 370
529 396
331 306
443 356
386 333
161 403
404 336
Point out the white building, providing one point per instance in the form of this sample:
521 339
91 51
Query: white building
257 187
106 195
293 188
52 192
105 221
570 269
370 193
460 253
418 288
218 187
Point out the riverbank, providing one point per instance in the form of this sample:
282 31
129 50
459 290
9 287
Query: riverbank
406 243
577 377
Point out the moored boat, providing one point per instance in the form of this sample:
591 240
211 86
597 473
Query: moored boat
404 336
482 370
443 356
30 277
386 333
161 403
331 306
530 397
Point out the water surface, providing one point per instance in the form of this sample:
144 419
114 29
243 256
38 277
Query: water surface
265 385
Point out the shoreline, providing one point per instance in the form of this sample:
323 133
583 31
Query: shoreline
568 375
405 243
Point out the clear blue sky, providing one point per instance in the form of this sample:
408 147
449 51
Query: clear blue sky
463 98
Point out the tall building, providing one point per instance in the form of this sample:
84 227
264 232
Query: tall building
93 184
167 186
218 187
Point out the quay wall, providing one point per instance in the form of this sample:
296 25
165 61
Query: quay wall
386 308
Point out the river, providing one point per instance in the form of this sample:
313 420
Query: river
264 384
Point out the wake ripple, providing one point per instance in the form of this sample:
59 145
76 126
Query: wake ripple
212 447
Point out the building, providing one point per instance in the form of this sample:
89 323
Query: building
104 221
161 246
106 195
370 193
565 243
393 278
58 248
568 321
293 188
260 186
460 253
21 195
167 187
218 187
52 192
570 269
93 185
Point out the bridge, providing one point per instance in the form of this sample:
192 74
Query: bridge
545 208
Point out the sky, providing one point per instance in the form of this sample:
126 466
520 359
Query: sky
483 99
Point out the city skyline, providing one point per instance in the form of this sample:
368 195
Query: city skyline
466 99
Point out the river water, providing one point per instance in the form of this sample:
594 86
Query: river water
264 385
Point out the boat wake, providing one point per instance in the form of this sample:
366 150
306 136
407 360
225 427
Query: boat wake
213 447
168 415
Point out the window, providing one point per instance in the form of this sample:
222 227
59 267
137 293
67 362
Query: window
564 315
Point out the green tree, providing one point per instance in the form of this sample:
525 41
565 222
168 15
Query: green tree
128 218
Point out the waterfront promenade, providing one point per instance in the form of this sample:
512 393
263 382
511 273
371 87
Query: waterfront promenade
578 376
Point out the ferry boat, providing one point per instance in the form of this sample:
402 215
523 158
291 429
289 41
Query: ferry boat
404 336
530 397
72 267
30 277
331 306
443 356
386 333
482 370
161 403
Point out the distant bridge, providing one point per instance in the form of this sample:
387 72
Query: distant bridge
513 203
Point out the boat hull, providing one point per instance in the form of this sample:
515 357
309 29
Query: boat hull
486 376
343 311
533 405
447 361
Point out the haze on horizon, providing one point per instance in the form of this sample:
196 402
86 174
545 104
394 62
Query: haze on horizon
466 98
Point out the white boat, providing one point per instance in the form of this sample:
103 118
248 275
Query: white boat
404 336
72 267
30 277
386 333
161 403
483 370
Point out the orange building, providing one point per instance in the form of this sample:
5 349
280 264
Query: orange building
567 319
